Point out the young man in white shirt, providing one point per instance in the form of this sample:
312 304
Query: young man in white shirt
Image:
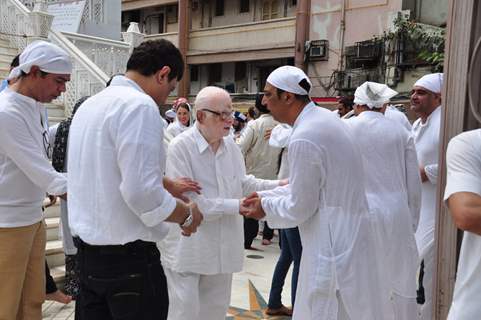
26 175
463 197
118 203
199 269
426 103
326 199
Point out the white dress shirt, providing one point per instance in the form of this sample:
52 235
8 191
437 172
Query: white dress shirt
326 199
393 189
217 246
426 139
463 160
175 128
115 164
262 159
25 172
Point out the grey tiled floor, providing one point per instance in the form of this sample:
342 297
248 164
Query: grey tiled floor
259 271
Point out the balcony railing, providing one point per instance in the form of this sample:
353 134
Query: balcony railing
270 34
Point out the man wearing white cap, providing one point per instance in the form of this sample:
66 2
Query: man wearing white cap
326 199
26 176
199 268
393 190
426 103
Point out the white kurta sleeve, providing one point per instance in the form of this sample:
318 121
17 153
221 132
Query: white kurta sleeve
463 167
276 192
21 148
413 182
138 138
306 179
252 184
432 172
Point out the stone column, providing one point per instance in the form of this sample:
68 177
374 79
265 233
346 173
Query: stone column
41 22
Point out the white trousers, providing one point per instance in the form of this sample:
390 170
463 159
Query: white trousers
425 310
197 296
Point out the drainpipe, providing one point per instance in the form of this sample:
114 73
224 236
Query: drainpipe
184 18
341 38
302 32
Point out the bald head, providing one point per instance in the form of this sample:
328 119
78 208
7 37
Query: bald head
208 97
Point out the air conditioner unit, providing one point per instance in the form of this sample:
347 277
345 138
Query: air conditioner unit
317 50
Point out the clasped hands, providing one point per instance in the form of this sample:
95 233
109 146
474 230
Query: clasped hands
250 207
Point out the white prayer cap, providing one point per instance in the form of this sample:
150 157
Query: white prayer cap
290 79
432 82
280 135
373 94
45 55
170 114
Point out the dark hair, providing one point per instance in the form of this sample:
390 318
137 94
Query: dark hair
15 62
151 56
184 105
302 97
347 102
259 106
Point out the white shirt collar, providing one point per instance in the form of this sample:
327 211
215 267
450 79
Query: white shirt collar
126 82
303 113
370 114
202 144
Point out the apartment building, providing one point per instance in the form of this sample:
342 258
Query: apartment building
235 44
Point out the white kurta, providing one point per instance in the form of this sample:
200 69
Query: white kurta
463 160
398 116
426 139
25 171
326 199
217 246
393 189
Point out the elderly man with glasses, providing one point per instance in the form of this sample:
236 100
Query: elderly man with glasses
199 268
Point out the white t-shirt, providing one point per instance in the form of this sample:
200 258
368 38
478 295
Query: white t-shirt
464 175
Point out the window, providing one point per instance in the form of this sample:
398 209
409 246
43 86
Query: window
244 6
194 73
293 3
270 9
219 8
215 73
240 71
172 13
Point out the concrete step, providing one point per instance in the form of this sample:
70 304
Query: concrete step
52 226
4 42
3 73
54 253
53 211
58 275
54 120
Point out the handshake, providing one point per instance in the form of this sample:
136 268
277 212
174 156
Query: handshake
251 207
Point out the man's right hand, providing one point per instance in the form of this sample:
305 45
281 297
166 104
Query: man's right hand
197 218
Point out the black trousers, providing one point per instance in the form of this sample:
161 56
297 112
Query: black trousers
121 282
50 286
251 228
268 233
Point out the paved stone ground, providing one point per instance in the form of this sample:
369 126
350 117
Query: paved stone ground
258 268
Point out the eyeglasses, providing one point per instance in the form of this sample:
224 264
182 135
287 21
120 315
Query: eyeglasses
222 115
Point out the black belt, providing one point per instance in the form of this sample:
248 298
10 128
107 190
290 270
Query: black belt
128 248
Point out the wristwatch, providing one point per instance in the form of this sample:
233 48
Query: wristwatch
188 221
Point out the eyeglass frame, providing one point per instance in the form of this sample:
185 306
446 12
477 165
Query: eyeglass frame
224 116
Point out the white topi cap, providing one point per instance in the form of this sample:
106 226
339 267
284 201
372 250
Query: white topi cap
290 79
373 94
45 55
432 82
